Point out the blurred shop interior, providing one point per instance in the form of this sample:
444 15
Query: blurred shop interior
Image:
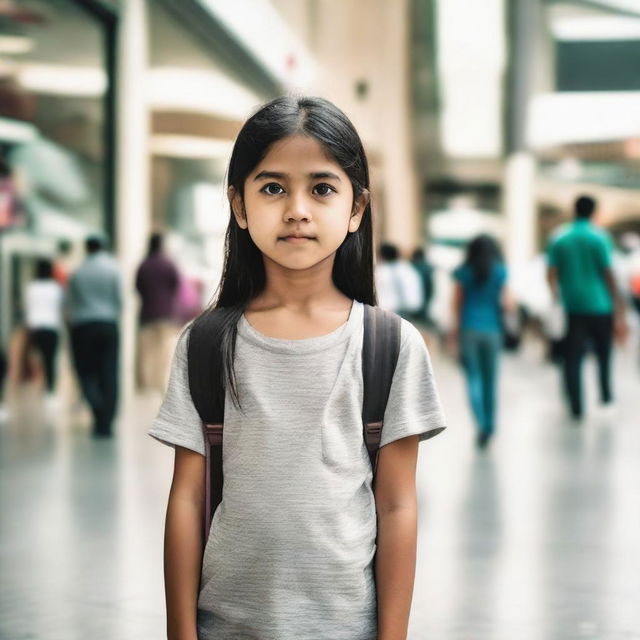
119 118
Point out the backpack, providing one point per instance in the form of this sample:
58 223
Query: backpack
380 350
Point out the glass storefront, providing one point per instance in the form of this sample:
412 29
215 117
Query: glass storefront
54 135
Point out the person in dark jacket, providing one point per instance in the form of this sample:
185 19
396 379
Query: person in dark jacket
157 282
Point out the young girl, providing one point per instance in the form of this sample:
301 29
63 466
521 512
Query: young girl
291 553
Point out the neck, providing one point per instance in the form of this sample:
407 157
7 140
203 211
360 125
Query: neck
298 289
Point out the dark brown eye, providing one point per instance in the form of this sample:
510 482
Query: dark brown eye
324 189
272 185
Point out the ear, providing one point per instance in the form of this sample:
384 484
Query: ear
359 206
237 207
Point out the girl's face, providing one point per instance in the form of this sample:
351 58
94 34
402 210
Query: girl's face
298 190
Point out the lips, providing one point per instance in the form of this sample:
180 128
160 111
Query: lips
296 235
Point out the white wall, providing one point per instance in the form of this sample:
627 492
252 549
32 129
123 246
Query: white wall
368 40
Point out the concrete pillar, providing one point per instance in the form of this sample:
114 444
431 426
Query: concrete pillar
132 200
403 223
519 207
525 32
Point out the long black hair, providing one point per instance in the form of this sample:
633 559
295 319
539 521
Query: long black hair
482 253
243 274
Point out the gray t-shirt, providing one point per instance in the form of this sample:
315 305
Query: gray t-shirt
291 547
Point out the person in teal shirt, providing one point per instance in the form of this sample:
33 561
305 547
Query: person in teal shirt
479 294
579 272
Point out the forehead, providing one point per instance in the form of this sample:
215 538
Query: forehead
298 154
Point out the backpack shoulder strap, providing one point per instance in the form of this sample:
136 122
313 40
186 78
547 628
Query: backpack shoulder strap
380 351
204 358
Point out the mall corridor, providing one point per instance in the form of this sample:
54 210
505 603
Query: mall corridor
534 539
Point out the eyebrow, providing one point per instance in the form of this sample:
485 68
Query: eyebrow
275 174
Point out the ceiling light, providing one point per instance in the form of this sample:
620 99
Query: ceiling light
15 45
63 80
604 28
16 131
177 146
200 91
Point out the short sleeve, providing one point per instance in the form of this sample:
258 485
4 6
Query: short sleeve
604 251
414 406
178 422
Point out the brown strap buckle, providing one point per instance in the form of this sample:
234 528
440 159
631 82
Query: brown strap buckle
374 430
214 433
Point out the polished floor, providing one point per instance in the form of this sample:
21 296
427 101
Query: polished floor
537 538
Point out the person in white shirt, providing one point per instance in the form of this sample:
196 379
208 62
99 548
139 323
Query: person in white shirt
398 285
43 305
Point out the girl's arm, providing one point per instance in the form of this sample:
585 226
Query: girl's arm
396 506
183 545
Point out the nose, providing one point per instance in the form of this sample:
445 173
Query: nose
297 209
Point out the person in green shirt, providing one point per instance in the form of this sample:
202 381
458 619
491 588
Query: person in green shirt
579 272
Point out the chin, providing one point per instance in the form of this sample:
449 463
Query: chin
299 263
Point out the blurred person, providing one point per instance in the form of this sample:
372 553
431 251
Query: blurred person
61 267
188 301
398 285
4 413
157 282
580 274
11 209
633 242
43 302
425 271
480 294
5 212
94 304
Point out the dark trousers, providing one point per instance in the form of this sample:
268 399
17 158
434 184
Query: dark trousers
95 354
46 342
582 329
